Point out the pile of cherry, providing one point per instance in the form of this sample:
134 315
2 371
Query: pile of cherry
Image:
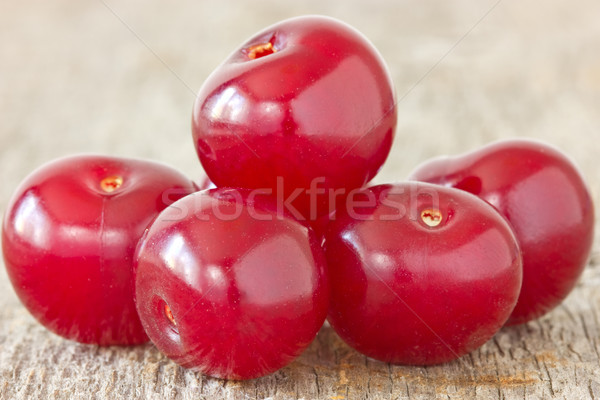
237 280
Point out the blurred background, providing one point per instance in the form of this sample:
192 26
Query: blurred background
120 78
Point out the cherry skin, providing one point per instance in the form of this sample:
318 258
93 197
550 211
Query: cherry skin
543 195
420 274
230 285
69 236
305 105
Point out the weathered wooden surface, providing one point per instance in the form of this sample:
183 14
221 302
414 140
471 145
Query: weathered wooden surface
89 76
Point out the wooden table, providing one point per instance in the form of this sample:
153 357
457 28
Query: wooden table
120 78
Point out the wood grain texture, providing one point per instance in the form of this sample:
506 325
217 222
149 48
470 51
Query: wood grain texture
120 78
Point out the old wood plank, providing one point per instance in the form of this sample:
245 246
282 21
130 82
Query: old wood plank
554 357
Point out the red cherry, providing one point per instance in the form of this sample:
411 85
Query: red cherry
305 105
540 191
68 238
420 274
229 285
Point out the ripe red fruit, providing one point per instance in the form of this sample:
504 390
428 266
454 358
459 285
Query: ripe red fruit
543 195
68 238
229 285
309 101
420 274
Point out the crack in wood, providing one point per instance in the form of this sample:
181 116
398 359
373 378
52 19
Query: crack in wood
314 370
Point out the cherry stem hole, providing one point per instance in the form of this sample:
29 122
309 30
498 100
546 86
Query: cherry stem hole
431 217
261 50
169 315
111 183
